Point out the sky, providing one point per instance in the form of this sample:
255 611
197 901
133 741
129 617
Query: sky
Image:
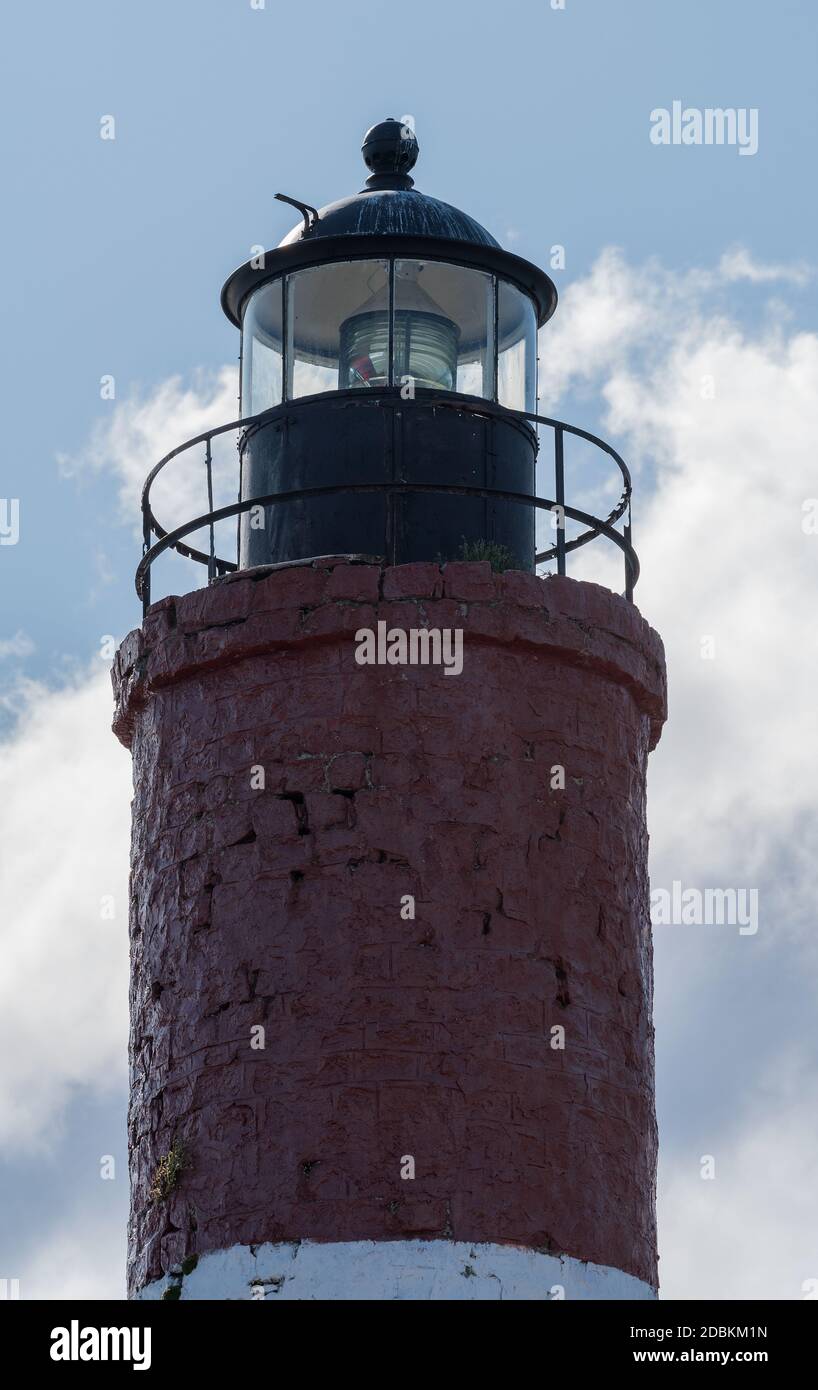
686 335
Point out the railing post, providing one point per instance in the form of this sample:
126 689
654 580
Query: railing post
146 545
559 493
628 568
211 564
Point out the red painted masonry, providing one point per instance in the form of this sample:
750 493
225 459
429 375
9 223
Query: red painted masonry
281 907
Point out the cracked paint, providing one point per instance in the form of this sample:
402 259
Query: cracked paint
399 1270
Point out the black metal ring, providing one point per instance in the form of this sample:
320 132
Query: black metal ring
167 540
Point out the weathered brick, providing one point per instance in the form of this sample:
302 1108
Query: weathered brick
214 605
389 1034
360 582
413 581
526 589
469 580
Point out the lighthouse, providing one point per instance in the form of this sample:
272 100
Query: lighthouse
391 967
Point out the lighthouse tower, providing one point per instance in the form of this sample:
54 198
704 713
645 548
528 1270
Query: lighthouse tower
391 973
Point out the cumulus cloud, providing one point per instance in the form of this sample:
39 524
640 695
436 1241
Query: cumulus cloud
749 1230
64 836
738 264
83 1258
145 426
718 419
20 645
140 430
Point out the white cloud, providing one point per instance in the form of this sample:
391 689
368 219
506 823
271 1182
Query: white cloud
83 1257
65 786
718 511
720 421
750 1231
599 319
145 426
19 645
142 429
724 555
738 264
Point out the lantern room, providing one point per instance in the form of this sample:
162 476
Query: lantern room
385 343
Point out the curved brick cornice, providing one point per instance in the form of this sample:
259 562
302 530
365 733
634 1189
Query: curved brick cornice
254 613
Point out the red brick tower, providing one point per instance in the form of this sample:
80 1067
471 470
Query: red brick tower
391 958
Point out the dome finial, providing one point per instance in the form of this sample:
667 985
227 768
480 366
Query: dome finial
390 150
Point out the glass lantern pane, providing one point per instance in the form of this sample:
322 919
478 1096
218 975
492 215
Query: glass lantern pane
337 327
516 349
261 357
443 332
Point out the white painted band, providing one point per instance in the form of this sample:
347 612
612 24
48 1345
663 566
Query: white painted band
449 1270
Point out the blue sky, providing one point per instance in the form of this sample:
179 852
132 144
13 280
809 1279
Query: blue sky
536 121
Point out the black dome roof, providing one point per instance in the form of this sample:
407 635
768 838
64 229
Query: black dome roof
390 205
387 218
387 212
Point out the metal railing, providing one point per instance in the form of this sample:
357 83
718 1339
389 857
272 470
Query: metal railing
217 566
